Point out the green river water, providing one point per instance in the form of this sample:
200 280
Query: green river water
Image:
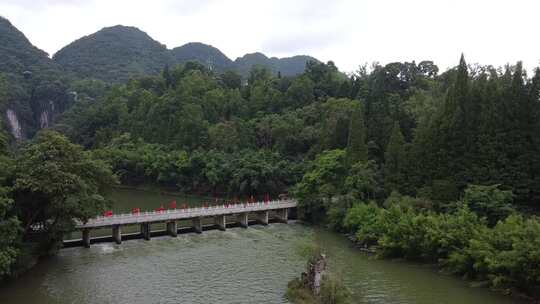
236 266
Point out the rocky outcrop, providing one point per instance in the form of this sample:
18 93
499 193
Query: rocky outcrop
14 124
316 269
44 119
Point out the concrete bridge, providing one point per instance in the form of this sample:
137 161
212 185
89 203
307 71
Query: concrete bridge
240 213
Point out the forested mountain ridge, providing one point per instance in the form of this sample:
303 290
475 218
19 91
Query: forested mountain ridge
31 93
205 54
36 88
19 55
288 66
114 54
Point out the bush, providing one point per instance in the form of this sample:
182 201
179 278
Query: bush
404 233
489 202
404 201
298 293
334 291
506 255
365 221
337 211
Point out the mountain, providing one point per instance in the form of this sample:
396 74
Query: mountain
203 53
289 66
19 55
35 89
31 90
114 54
214 59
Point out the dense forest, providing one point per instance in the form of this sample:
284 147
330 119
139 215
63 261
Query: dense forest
415 163
39 88
419 133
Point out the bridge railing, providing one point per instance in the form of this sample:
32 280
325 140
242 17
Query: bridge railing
196 210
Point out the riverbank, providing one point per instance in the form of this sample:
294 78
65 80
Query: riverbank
425 237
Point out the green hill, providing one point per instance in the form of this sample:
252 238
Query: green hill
114 54
206 54
31 91
214 59
19 55
289 66
34 88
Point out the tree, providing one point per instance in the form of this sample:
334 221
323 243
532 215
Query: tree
259 74
9 224
395 161
231 80
9 233
489 201
56 183
166 74
534 96
361 181
323 181
357 148
520 128
326 78
300 92
224 136
458 128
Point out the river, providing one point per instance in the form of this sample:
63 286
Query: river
236 266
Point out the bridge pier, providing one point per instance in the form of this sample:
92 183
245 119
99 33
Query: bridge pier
172 228
262 217
282 215
243 219
86 237
197 224
145 231
117 234
221 222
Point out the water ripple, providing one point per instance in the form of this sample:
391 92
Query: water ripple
241 266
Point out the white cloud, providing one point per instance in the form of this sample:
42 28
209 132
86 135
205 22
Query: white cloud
348 32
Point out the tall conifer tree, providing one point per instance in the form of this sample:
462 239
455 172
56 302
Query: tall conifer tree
534 99
395 160
357 148
456 138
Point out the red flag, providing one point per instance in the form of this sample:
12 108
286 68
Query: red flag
160 209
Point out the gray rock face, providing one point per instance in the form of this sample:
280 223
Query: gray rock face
13 121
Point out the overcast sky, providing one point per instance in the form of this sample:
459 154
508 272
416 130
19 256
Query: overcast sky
350 33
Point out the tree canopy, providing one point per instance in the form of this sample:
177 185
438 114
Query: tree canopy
55 183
